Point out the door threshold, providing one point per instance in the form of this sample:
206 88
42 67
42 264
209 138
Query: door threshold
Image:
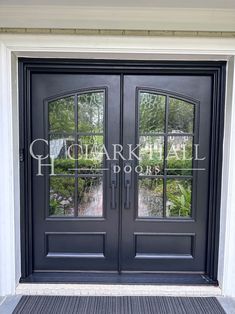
59 289
115 278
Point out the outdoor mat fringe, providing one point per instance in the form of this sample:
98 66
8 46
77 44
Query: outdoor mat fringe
118 305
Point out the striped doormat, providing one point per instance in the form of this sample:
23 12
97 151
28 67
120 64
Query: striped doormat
118 305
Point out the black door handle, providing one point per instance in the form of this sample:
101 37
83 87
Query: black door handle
127 184
113 185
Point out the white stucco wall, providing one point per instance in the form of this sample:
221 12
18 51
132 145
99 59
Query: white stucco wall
118 47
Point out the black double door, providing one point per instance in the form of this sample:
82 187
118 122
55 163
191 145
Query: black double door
128 181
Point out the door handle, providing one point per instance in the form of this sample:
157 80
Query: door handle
113 185
127 184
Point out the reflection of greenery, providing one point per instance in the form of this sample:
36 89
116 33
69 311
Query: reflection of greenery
55 208
62 166
63 186
180 115
179 164
91 141
178 150
152 112
179 195
62 193
151 154
88 163
61 115
90 112
152 184
90 119
151 166
90 147
180 161
89 155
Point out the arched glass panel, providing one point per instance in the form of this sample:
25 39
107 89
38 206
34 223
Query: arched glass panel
76 136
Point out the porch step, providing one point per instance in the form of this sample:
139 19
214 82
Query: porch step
116 290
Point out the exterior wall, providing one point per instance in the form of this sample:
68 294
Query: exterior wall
118 47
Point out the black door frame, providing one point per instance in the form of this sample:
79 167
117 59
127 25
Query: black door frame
215 69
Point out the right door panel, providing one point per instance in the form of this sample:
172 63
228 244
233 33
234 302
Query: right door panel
165 196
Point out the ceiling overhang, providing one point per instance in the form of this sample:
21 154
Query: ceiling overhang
132 18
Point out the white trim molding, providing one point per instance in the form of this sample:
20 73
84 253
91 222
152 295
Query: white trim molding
7 175
133 18
116 47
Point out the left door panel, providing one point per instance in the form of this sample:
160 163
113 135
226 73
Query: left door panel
75 224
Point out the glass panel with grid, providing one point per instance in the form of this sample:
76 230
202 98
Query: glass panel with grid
76 133
166 138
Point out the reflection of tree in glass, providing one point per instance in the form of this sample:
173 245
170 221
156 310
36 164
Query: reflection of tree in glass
181 116
90 112
89 196
180 155
151 112
153 166
90 120
61 196
91 147
61 115
179 196
151 153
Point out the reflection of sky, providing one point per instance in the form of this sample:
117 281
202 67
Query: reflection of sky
56 146
91 203
150 203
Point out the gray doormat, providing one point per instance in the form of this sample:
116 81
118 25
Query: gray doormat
117 305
